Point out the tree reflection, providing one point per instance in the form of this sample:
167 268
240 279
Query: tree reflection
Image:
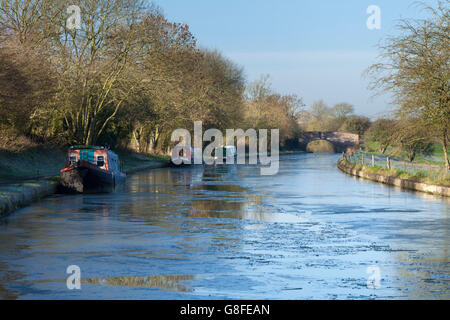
168 282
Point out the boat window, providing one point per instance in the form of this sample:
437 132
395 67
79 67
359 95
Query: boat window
72 159
100 161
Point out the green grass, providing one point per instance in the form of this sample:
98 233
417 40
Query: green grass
132 160
31 162
420 175
436 152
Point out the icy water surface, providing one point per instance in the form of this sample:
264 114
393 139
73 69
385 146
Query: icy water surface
226 232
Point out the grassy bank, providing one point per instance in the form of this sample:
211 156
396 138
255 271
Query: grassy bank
132 161
42 161
30 163
422 169
16 195
435 156
421 176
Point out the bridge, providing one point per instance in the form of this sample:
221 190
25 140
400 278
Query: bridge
341 141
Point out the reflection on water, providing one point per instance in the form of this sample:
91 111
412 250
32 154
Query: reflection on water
227 232
170 282
7 276
165 282
421 281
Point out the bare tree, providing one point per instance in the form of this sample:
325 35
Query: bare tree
415 68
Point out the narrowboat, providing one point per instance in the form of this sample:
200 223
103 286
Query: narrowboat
91 169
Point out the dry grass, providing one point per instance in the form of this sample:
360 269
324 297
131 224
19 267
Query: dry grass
12 141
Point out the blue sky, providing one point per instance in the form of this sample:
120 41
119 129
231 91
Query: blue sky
315 49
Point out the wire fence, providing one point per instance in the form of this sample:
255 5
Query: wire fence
433 171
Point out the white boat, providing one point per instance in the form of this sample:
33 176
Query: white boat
228 152
185 155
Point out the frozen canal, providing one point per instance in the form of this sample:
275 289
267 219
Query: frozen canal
226 232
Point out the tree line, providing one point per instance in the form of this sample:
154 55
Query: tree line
127 77
339 118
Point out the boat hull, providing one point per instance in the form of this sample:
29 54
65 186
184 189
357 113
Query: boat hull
88 179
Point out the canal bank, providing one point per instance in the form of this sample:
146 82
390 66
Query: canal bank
407 184
16 195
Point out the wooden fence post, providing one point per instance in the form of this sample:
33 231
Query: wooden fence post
388 163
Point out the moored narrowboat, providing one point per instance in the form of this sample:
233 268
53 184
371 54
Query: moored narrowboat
91 169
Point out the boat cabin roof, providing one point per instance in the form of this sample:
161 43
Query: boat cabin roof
106 151
87 147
